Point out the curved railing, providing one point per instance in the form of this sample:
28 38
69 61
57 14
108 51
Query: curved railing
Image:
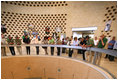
106 51
89 49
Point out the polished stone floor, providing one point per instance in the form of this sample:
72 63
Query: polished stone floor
110 66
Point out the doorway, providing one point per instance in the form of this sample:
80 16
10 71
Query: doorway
83 32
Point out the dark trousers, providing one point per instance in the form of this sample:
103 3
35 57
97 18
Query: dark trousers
111 58
37 50
63 50
70 52
58 51
79 51
52 50
28 50
45 48
12 50
83 53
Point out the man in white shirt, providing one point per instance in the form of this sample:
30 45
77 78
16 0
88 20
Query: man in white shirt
95 41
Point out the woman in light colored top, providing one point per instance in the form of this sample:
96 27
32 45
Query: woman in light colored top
75 42
36 41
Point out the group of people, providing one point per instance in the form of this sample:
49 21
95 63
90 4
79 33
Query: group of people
11 41
84 42
89 42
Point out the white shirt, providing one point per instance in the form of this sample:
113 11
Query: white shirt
35 41
95 42
74 43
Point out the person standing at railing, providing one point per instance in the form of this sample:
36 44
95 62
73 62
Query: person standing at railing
70 50
51 41
18 42
95 41
58 43
3 42
26 40
82 44
45 41
89 43
35 40
101 44
110 46
102 41
64 42
75 43
11 42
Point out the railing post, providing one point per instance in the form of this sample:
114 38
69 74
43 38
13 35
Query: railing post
94 59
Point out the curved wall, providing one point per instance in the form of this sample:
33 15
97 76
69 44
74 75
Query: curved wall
79 14
49 67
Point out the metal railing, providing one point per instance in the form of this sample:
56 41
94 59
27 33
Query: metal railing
106 51
96 51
